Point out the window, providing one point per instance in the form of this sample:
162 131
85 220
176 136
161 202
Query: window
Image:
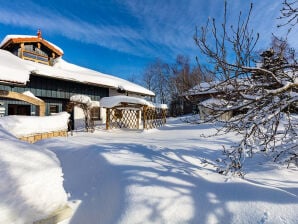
95 113
54 109
33 53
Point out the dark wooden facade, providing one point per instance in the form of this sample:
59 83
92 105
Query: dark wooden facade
56 94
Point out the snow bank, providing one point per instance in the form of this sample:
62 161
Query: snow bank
31 182
109 102
27 125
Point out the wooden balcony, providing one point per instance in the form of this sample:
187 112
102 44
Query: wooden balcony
33 56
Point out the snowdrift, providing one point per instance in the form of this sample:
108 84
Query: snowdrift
21 126
31 181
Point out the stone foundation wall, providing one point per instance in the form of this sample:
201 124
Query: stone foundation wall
40 136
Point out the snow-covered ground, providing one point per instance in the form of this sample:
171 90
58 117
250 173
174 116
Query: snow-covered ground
161 176
31 182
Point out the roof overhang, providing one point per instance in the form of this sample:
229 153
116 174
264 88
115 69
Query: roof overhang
17 40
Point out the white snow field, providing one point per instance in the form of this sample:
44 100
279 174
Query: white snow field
155 176
158 176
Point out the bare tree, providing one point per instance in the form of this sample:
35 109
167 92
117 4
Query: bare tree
156 78
184 76
262 95
289 13
169 82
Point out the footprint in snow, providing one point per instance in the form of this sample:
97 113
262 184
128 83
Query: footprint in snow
264 218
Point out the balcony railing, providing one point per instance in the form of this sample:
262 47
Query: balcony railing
33 56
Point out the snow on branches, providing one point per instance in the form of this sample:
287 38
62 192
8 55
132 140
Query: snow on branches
263 96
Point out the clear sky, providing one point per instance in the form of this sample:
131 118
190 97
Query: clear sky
120 37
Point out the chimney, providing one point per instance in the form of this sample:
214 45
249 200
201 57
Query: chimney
39 33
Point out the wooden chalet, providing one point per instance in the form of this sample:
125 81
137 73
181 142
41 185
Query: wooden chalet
35 80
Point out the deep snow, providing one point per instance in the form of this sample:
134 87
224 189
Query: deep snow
167 176
20 126
31 182
164 175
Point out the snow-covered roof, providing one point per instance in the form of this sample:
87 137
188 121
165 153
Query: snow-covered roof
28 38
79 98
202 88
28 93
213 102
218 86
14 69
161 105
113 101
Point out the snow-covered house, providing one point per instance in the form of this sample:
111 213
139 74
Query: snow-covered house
35 80
202 96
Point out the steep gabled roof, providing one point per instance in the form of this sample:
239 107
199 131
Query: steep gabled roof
9 39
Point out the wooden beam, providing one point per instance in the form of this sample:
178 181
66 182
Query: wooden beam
40 104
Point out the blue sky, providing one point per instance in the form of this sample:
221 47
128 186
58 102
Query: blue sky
121 37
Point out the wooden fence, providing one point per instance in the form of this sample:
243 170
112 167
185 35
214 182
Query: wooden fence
136 117
153 117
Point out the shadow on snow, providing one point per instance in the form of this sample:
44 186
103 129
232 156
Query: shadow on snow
106 183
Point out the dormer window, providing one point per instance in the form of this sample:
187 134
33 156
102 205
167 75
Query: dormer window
33 53
33 48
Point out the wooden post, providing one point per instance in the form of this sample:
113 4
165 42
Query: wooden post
138 119
22 45
108 118
164 115
144 117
